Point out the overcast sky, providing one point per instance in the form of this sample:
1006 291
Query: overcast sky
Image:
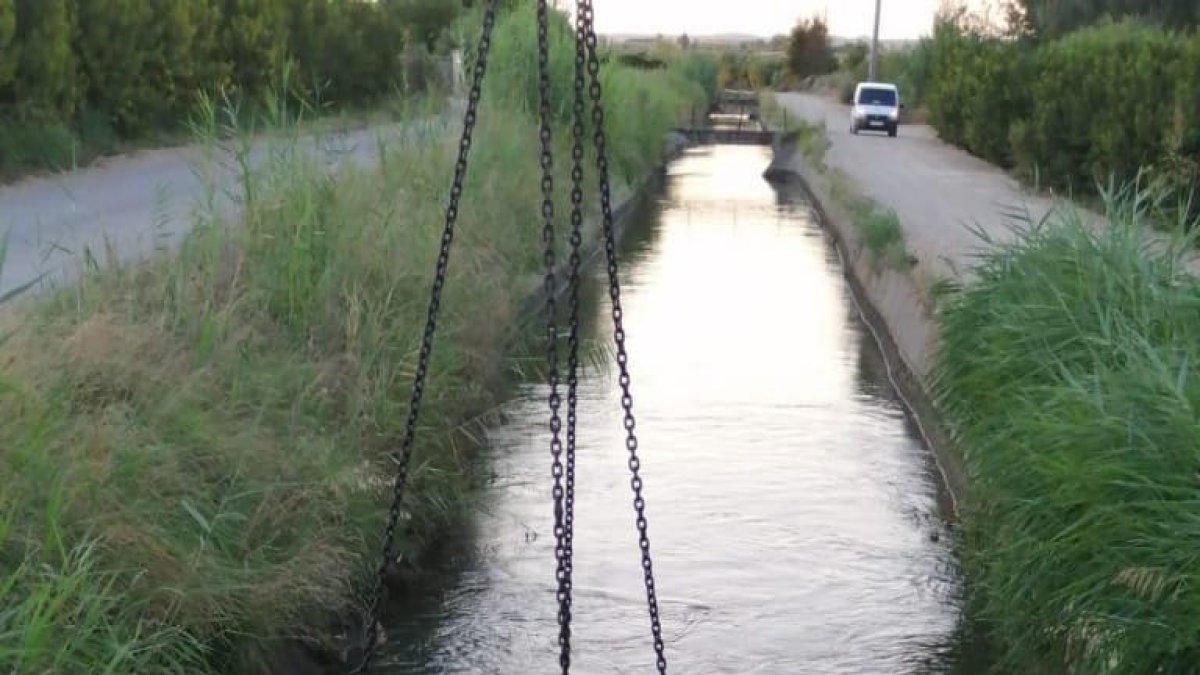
847 18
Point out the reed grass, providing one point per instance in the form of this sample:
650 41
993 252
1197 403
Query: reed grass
1070 375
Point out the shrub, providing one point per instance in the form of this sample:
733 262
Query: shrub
1105 103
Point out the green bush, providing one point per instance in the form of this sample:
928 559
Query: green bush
142 65
979 88
1105 103
1105 99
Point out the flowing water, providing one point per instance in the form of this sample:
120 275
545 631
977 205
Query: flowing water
796 522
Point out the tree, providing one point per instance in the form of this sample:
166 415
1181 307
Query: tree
182 57
111 44
427 19
855 56
254 42
1051 19
8 53
684 41
45 80
809 52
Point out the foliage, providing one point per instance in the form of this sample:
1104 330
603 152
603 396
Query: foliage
809 52
743 69
700 68
1109 102
196 447
46 82
854 56
1121 79
8 29
979 87
136 68
910 69
427 20
1070 374
1051 19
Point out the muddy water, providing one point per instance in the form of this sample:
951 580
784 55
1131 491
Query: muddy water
796 522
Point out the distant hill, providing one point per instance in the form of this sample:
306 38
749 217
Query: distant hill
724 38
734 39
838 41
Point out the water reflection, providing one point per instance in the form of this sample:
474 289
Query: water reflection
793 517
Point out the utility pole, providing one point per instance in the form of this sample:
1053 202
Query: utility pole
875 45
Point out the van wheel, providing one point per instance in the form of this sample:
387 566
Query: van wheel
892 132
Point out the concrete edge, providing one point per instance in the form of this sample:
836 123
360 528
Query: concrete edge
893 306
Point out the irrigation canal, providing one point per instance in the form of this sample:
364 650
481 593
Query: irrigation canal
795 519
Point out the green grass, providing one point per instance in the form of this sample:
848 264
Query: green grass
195 447
882 233
1070 375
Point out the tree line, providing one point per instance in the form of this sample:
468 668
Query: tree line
1051 19
1114 99
139 64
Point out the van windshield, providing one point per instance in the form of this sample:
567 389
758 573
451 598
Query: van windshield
869 96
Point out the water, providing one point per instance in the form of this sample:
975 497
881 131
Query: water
795 521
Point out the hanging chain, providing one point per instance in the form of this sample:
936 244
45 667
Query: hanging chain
404 455
586 59
577 121
551 288
614 293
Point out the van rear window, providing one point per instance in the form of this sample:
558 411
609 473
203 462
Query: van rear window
869 96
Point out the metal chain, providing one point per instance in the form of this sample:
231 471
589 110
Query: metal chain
550 281
404 454
614 294
574 283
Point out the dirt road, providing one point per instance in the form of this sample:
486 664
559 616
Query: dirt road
937 190
131 206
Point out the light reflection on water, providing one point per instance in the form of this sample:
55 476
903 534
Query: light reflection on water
793 517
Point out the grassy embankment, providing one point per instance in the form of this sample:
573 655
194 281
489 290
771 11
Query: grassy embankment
1070 374
194 448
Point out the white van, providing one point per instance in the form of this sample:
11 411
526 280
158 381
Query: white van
876 107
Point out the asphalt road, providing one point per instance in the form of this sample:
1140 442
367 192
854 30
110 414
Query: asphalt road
938 191
128 207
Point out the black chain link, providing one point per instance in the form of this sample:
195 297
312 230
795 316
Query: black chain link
574 283
584 7
404 455
586 59
551 288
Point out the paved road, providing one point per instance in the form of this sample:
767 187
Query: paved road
136 204
937 190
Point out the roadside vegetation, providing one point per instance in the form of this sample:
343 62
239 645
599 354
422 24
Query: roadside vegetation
84 78
1073 100
1067 369
194 454
1069 374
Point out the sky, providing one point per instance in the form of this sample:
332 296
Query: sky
899 19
